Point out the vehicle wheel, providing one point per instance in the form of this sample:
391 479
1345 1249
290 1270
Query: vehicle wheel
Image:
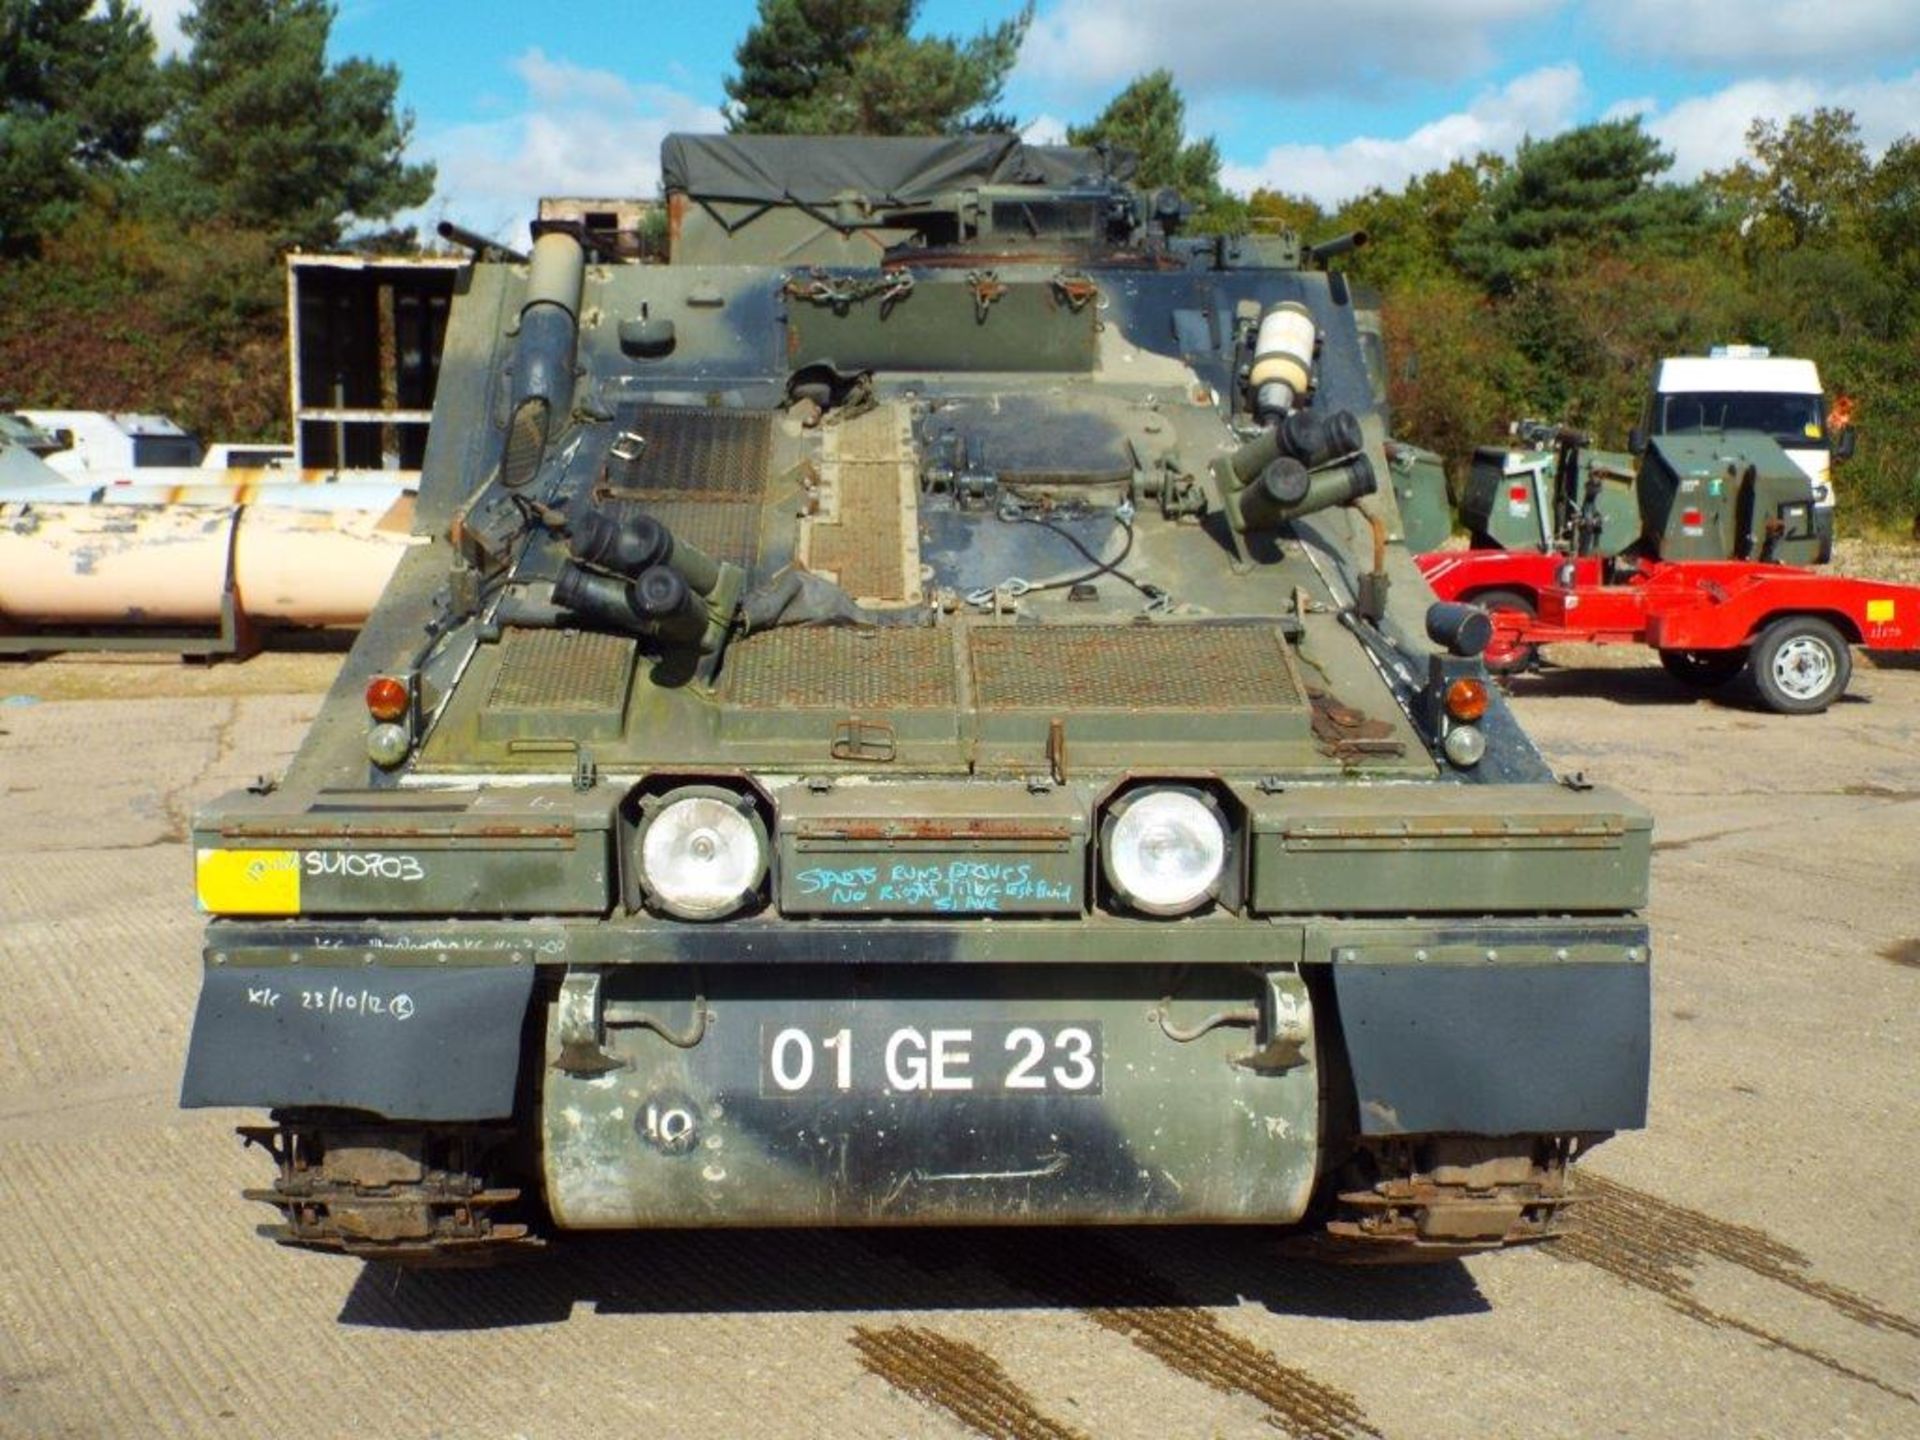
1503 656
1801 665
1703 669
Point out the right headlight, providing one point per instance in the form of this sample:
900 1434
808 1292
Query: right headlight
702 855
1164 850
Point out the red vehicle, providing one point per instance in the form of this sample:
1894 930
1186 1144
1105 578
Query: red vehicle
1709 619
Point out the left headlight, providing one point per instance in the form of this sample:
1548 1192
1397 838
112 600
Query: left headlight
702 855
1164 850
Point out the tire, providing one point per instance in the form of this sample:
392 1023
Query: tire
1703 669
1500 657
1801 665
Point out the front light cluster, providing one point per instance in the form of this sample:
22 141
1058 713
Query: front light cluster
702 854
1165 850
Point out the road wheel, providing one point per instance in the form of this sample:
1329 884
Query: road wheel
1703 669
1502 655
1801 665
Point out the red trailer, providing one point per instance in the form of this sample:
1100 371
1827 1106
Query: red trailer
1709 619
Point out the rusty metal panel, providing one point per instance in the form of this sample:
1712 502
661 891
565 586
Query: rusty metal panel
1132 667
908 849
532 851
1424 848
865 533
701 473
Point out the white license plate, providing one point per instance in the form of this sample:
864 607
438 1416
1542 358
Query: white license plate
992 1057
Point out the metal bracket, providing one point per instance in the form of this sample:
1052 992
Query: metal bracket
1284 1038
578 1013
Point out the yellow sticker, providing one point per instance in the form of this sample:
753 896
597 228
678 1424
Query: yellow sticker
1879 612
248 882
1812 431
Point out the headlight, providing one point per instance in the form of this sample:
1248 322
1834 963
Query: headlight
702 855
1164 850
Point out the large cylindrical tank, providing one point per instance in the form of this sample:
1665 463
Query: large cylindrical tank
132 565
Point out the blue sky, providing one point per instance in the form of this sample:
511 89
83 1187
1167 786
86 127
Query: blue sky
1324 97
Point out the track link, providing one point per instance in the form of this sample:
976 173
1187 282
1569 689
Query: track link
407 1195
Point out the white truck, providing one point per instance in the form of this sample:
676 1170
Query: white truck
1746 387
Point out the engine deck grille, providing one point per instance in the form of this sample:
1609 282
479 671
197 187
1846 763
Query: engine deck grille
703 474
1196 667
1192 668
572 672
841 668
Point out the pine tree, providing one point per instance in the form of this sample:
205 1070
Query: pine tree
265 134
840 67
1149 118
1589 190
79 91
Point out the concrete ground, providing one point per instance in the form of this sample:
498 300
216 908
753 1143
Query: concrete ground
1748 1265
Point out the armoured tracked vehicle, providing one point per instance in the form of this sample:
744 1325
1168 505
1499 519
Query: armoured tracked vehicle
915 710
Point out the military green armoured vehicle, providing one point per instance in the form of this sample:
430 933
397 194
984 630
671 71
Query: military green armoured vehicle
915 710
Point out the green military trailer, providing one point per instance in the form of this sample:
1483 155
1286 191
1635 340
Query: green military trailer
915 709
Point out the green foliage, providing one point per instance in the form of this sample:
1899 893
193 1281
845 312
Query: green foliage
78 93
122 314
1891 224
1798 183
832 67
1550 289
1270 211
264 134
1149 118
1411 233
1589 190
1451 373
145 208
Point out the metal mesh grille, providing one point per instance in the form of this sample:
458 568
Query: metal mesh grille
726 532
702 474
1132 667
526 443
696 453
566 671
839 668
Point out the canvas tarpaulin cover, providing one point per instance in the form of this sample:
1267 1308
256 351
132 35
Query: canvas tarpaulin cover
813 169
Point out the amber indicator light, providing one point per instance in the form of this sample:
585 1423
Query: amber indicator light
387 698
1467 699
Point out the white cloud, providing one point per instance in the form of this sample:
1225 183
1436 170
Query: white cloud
1539 103
1792 37
165 16
1284 47
1708 132
1045 130
582 131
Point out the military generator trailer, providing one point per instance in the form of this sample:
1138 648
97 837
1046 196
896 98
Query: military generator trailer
1702 551
915 711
